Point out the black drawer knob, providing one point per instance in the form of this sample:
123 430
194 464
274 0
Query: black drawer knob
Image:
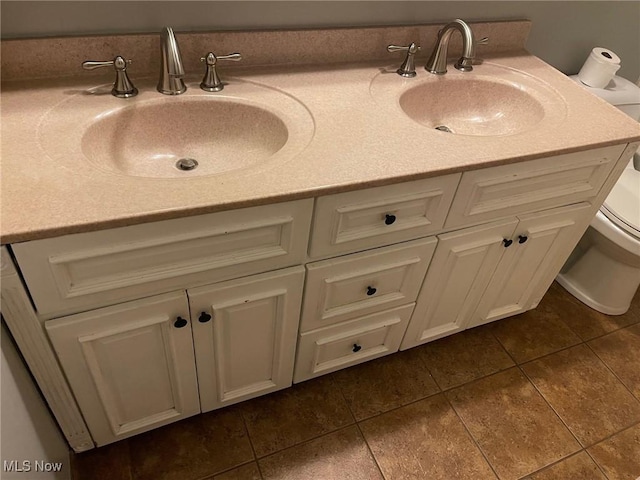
522 238
356 348
389 219
371 290
507 243
204 317
180 322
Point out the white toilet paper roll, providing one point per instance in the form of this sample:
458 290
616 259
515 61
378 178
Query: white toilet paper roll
600 67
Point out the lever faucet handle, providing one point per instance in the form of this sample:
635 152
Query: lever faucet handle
211 81
482 41
122 87
408 67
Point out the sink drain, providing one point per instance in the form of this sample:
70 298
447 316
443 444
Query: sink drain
186 164
444 128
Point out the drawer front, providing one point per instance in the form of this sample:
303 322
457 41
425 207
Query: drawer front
83 271
507 190
333 348
355 285
353 221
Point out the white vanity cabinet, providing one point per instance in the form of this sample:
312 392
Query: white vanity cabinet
155 322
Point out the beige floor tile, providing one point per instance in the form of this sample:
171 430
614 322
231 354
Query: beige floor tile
424 440
619 456
534 333
464 357
341 455
111 461
250 471
620 351
586 322
193 448
381 385
576 467
299 413
584 393
513 425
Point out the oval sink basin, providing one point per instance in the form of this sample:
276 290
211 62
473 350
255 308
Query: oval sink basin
149 139
490 101
194 134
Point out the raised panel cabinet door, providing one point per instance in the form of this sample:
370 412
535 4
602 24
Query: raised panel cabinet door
541 244
462 266
244 334
131 366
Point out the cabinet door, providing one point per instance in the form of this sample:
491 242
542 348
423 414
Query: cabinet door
540 246
130 366
244 335
460 271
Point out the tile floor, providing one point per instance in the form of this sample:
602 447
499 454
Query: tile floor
550 394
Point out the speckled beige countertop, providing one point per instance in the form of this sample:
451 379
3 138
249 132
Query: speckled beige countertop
359 138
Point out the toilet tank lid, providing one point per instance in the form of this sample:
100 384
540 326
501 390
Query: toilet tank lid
619 91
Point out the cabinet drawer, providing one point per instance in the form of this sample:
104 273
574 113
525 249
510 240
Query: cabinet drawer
346 287
87 270
507 190
353 221
333 348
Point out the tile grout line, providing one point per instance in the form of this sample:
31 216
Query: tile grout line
473 439
552 464
604 474
357 424
375 460
604 440
253 450
612 371
552 409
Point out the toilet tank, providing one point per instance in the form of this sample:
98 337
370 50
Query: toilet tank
620 92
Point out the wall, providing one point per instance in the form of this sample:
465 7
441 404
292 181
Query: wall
563 31
28 430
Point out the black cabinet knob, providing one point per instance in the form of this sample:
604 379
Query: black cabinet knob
389 219
371 290
507 243
522 238
180 322
204 317
356 348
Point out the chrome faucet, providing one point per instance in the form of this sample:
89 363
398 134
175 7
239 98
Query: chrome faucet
171 71
437 63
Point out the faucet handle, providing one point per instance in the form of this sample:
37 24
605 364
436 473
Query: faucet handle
211 81
408 67
122 87
482 41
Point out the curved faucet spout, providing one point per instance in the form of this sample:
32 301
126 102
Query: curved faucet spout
171 70
437 63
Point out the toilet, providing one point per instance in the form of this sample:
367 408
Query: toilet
604 269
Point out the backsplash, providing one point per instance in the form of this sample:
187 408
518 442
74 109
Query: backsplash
62 56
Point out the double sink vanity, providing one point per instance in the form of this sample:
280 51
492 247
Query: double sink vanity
166 255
